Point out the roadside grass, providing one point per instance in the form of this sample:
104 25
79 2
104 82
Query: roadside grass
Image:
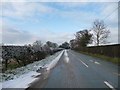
114 60
13 66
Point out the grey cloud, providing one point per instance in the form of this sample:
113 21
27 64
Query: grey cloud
15 36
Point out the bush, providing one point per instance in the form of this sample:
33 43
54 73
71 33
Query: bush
39 55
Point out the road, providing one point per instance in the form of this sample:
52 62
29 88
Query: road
76 70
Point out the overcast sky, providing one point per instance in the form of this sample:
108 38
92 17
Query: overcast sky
24 22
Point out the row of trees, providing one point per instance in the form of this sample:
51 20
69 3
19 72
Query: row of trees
65 45
24 55
97 35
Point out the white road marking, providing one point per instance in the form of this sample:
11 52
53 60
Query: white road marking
81 61
91 60
96 62
110 86
84 63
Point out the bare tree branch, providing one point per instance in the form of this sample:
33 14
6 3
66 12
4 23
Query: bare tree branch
100 32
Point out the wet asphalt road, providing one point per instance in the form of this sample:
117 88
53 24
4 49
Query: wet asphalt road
79 71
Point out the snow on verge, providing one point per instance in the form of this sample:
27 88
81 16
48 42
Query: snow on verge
24 80
53 62
16 73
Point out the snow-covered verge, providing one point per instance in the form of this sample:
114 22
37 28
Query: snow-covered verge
22 82
53 62
22 77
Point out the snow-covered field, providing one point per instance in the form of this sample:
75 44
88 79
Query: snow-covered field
23 76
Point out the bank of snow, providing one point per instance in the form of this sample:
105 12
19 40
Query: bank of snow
22 82
53 62
22 77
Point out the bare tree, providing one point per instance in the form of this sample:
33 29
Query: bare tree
37 45
51 44
72 43
100 32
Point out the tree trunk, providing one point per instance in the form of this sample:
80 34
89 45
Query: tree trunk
97 40
6 64
18 62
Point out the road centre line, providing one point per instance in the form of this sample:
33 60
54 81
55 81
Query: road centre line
84 63
109 85
91 60
81 61
96 62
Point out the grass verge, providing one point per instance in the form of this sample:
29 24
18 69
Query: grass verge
110 59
